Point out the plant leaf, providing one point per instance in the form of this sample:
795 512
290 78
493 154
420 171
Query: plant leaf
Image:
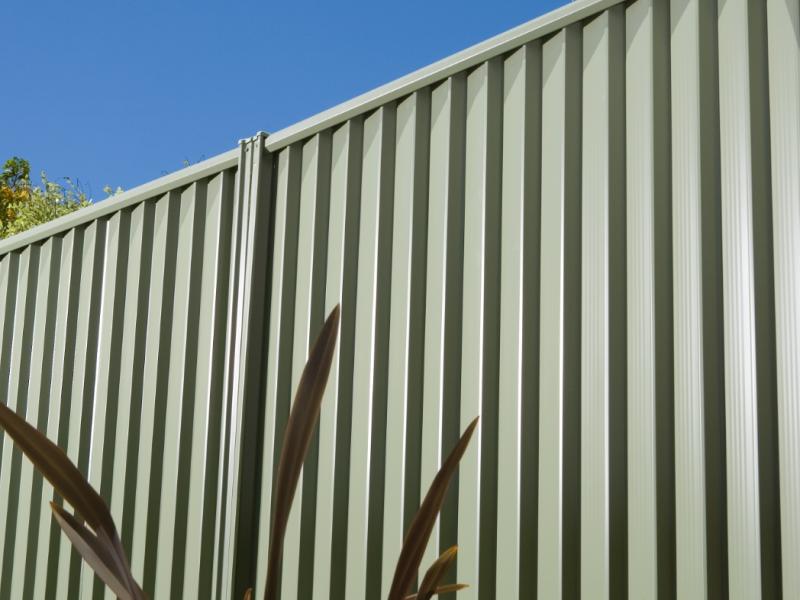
93 550
442 589
435 573
248 594
65 477
299 429
420 530
69 482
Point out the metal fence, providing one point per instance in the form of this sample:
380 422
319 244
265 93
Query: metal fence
586 230
113 343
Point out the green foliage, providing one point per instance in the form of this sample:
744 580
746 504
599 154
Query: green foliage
14 188
44 204
109 191
16 173
23 205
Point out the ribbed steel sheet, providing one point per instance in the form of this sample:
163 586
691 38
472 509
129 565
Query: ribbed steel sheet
586 232
113 344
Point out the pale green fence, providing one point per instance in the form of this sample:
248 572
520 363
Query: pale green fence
586 230
114 343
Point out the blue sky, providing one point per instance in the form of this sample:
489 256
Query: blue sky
118 93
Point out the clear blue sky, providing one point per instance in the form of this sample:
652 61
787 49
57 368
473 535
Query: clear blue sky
118 93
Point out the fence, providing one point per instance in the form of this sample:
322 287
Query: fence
114 333
584 230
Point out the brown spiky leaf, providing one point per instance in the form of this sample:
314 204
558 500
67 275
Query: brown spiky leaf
435 573
299 429
53 463
420 530
450 588
94 551
69 482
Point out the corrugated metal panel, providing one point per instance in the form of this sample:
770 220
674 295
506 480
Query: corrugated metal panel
783 24
584 230
114 332
584 233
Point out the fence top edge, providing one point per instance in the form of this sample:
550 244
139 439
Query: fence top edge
497 45
156 187
518 36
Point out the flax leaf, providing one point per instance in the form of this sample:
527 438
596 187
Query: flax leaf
299 429
420 530
69 482
435 573
450 588
53 463
93 550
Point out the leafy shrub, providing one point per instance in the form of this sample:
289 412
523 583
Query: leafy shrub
24 205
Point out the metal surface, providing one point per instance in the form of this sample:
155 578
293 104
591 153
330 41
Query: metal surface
584 230
606 254
114 334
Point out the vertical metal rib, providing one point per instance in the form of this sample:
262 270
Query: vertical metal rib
347 343
69 419
744 539
783 24
214 478
441 375
531 265
83 380
405 220
132 332
377 464
417 309
307 246
156 363
764 303
477 518
105 390
299 350
643 557
328 456
663 300
318 314
594 314
617 316
278 390
519 71
687 247
38 551
559 366
398 341
17 399
224 525
550 541
29 489
204 424
45 564
279 237
599 61
716 512
378 128
252 270
7 293
187 398
183 340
